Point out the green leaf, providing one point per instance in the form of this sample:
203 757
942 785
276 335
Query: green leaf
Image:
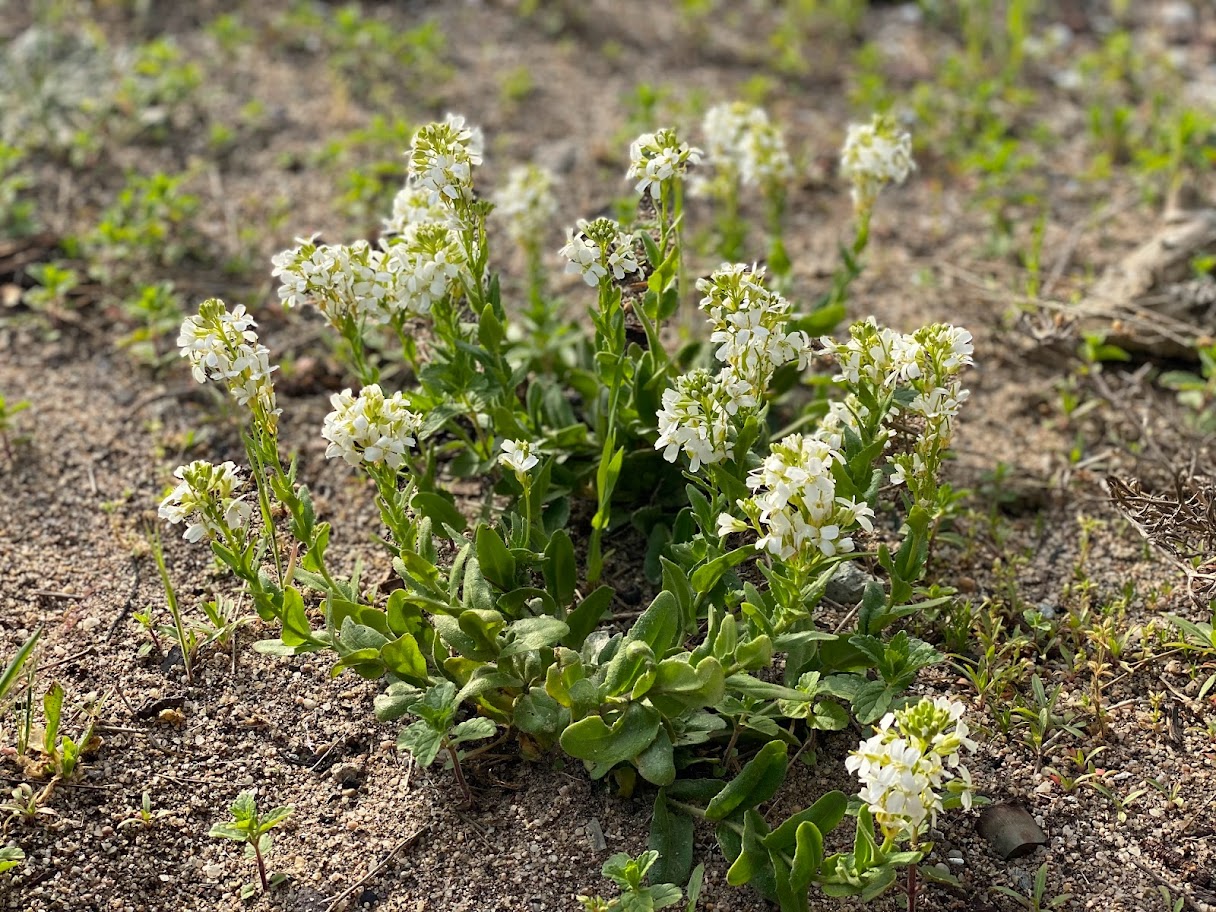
756 783
530 634
764 690
752 857
422 742
52 709
473 729
872 702
402 615
489 329
403 658
537 713
659 625
789 898
705 577
679 687
825 814
632 664
561 571
808 856
592 740
441 511
297 631
586 616
475 590
496 562
671 835
657 762
12 671
694 887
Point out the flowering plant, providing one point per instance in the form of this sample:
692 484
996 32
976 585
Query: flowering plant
744 522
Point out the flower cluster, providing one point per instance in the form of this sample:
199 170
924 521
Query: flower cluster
695 417
369 428
220 345
874 155
347 283
744 145
424 265
205 498
911 764
412 205
924 367
517 456
655 158
794 507
748 325
598 248
526 203
875 355
442 158
358 283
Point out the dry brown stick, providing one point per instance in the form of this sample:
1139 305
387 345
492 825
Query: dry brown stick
404 843
88 650
1174 889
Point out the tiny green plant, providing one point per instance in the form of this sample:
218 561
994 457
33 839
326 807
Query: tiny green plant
145 817
11 857
186 637
436 729
54 284
1036 900
629 875
253 829
27 804
8 411
61 754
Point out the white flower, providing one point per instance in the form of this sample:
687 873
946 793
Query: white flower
875 355
206 499
744 146
346 283
221 345
658 157
729 525
905 764
412 205
442 157
526 203
517 456
598 248
695 419
370 429
874 155
747 323
794 506
425 265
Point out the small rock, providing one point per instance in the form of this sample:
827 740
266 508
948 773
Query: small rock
848 584
595 835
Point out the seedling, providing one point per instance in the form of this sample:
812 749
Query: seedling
628 874
7 412
436 730
10 857
1036 900
253 829
26 804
